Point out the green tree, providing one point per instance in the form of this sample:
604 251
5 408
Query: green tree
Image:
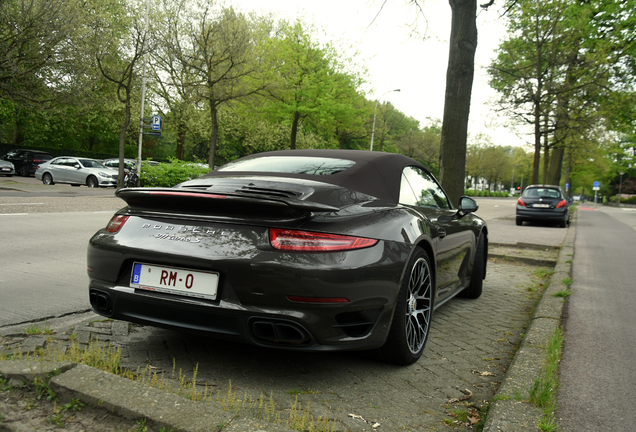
311 88
215 49
561 64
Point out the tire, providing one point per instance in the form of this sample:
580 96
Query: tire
475 287
519 222
24 171
47 179
413 312
91 182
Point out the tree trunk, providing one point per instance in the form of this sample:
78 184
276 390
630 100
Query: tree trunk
459 84
18 137
294 131
181 137
214 135
122 144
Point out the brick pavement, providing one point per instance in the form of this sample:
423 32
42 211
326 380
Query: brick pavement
471 345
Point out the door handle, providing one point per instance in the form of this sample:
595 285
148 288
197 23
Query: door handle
441 232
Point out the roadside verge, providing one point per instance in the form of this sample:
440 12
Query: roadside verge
507 413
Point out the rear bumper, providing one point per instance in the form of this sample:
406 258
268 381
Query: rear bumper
526 214
252 304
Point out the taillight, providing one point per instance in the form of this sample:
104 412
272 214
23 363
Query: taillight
561 203
306 241
520 202
115 223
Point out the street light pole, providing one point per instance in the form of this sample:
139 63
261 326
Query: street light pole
374 113
620 186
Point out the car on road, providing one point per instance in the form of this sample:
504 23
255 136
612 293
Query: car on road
543 203
26 161
76 171
311 250
6 168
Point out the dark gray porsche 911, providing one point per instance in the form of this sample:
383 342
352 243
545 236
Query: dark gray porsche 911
298 249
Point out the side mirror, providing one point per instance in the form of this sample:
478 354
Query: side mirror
468 205
77 166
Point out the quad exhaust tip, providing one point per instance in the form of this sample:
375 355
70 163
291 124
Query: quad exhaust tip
279 332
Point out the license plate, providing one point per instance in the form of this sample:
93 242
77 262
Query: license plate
189 283
541 206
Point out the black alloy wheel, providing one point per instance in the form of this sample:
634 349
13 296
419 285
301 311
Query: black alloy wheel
24 171
413 312
47 179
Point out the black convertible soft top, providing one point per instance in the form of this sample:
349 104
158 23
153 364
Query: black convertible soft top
374 173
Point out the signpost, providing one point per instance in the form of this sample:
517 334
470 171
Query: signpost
156 123
597 186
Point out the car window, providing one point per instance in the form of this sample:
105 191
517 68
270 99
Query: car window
542 193
60 161
89 163
420 189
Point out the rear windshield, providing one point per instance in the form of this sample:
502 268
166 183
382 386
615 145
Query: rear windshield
290 165
542 193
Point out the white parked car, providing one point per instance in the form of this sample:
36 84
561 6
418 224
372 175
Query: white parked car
76 171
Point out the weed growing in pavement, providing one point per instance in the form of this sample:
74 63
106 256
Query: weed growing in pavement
43 389
542 394
35 330
142 425
567 281
563 293
471 415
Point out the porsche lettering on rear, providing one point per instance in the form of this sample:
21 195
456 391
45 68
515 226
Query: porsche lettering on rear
180 229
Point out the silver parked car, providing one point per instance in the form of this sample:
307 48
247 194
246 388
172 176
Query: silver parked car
76 171
6 168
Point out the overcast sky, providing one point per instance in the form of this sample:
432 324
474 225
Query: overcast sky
399 58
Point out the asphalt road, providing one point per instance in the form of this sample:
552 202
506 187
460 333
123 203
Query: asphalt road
598 369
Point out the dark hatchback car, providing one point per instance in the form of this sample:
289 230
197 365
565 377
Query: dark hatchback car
543 203
27 161
312 250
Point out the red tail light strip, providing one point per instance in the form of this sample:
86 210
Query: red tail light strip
318 299
306 241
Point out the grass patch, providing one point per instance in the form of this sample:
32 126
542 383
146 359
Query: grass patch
567 281
562 294
542 394
36 330
543 273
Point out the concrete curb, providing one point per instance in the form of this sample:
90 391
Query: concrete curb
130 399
507 414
